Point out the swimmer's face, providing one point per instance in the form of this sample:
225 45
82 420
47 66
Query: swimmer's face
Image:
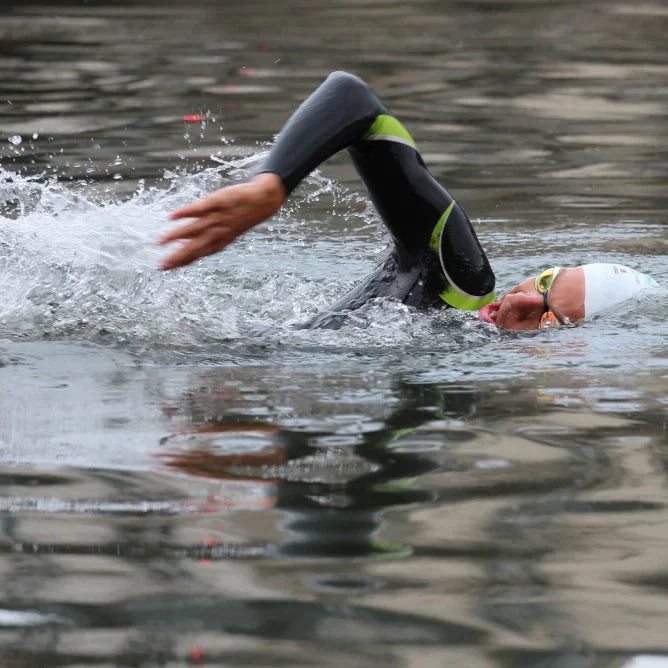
523 306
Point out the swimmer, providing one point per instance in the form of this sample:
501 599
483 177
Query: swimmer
435 260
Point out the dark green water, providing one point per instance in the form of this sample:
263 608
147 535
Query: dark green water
185 479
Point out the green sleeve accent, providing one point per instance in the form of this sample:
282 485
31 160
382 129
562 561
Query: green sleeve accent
435 240
452 295
459 301
388 126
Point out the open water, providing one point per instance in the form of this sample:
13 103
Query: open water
188 480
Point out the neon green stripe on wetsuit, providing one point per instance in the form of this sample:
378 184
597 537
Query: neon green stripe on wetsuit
388 128
453 295
436 257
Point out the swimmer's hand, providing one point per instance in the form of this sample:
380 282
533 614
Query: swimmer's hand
222 217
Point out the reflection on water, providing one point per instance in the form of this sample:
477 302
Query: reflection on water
186 479
467 517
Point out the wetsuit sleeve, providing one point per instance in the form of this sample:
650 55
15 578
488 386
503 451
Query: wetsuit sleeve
333 117
420 214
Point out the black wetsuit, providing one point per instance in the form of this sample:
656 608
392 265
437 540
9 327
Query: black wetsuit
436 258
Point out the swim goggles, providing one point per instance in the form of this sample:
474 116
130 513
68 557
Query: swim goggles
543 284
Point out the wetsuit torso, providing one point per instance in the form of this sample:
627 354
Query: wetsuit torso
436 258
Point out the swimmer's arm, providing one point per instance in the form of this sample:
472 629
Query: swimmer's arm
335 116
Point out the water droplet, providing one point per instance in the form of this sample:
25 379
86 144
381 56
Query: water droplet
15 139
35 135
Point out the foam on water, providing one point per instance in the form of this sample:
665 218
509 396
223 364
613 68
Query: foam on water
74 267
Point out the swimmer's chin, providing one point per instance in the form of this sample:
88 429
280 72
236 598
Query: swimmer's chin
489 313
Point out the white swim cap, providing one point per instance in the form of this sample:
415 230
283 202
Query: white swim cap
607 285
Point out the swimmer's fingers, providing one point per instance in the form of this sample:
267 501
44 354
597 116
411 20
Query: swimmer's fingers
190 230
203 237
210 203
222 217
200 246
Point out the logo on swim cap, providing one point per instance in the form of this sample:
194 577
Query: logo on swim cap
607 285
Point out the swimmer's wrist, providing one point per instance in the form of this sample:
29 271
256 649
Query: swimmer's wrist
271 188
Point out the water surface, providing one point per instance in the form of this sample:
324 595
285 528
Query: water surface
187 479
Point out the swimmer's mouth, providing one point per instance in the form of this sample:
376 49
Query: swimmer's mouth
489 312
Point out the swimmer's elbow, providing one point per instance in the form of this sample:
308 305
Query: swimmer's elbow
347 83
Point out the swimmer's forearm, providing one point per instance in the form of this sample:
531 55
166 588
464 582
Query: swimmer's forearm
337 115
333 117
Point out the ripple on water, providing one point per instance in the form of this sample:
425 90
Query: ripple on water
189 479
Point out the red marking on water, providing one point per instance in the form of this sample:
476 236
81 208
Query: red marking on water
194 118
247 72
265 47
196 653
204 562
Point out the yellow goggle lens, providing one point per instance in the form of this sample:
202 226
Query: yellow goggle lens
545 279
